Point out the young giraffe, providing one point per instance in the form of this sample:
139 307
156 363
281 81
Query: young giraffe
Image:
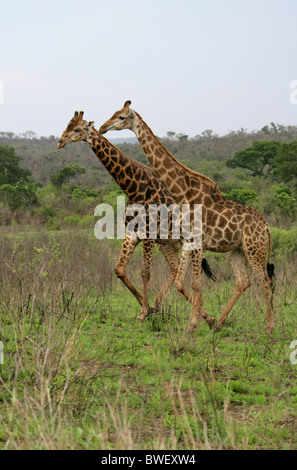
142 187
227 227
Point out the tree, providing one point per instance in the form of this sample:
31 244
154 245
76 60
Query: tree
242 196
29 135
259 158
78 192
64 175
16 196
170 135
286 161
285 200
265 129
283 203
207 133
10 172
182 137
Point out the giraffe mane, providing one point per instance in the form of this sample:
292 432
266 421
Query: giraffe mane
194 174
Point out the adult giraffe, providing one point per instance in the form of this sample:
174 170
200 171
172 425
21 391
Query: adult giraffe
227 227
141 185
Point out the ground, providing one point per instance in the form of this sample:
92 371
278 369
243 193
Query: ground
80 372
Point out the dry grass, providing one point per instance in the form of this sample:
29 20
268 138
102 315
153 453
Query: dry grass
79 373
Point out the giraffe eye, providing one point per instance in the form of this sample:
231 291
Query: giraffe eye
121 118
76 130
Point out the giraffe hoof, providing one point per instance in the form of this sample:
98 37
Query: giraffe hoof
211 323
217 329
140 319
144 312
192 328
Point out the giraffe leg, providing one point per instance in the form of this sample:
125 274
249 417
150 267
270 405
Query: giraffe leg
196 299
170 253
239 264
127 250
181 274
258 263
196 260
148 248
198 311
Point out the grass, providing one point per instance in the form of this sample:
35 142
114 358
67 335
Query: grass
80 373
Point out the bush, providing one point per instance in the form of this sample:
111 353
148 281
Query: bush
53 223
87 221
65 174
21 195
47 211
242 196
72 220
80 192
284 242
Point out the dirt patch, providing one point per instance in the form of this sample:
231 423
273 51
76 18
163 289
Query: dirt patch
239 413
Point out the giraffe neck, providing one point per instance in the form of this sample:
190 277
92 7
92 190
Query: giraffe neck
125 171
176 177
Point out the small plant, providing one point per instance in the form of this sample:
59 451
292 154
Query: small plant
72 220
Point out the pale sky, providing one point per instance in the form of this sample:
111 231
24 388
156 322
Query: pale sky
186 65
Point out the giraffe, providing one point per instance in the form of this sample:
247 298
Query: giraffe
141 185
227 227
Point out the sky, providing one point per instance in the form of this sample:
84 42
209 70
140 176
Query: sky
186 65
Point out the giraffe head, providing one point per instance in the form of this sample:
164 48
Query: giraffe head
77 130
122 119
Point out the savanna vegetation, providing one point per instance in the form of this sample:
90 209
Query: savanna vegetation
78 371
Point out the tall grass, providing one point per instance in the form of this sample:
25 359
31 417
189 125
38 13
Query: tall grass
80 373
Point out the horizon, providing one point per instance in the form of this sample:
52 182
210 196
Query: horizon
132 137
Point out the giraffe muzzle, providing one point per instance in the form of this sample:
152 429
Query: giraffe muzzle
61 144
102 130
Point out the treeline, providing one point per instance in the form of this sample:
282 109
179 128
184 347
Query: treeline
41 157
42 184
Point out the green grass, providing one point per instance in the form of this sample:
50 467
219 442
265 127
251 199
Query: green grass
80 372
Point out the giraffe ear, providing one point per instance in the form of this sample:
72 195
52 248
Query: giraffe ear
127 104
91 123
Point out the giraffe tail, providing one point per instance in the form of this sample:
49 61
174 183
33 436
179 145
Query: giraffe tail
206 268
270 266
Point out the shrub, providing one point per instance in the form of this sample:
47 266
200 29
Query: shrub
80 192
53 223
72 220
284 242
21 195
242 196
87 221
47 211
